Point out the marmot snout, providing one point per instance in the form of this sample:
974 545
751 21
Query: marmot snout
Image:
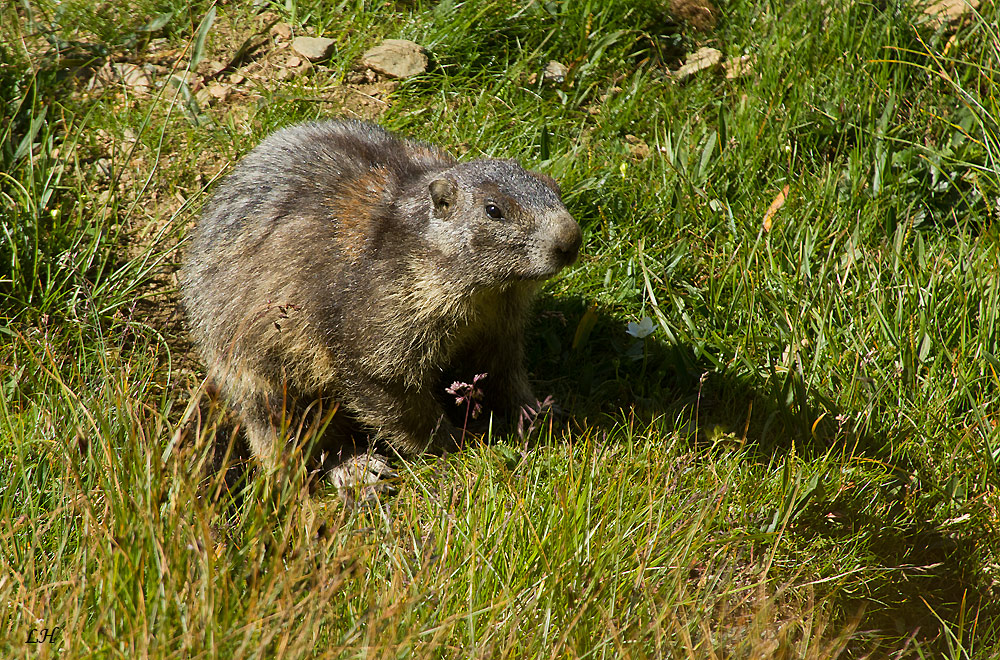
566 240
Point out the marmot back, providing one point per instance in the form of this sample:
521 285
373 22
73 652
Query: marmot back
339 263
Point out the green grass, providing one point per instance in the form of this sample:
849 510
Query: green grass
801 460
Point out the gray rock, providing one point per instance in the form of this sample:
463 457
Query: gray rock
133 76
396 58
282 31
703 59
203 97
313 48
554 72
739 67
219 91
944 12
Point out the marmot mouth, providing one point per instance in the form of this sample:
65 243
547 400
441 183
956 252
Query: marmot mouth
542 274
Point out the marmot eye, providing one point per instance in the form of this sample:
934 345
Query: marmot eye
494 212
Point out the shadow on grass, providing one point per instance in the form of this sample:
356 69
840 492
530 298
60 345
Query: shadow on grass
913 567
870 501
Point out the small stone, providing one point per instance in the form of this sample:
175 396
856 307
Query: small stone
944 12
203 97
103 168
211 67
294 62
313 48
285 74
741 66
189 78
703 59
555 72
133 76
282 31
396 58
236 78
219 91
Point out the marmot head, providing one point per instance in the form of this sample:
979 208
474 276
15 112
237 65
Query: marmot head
510 222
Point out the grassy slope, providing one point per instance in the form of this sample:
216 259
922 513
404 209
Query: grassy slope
802 456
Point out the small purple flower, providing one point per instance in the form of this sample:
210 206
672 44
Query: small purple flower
530 414
468 394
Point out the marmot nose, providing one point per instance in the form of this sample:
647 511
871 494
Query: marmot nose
567 240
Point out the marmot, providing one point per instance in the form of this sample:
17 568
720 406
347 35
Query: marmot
340 263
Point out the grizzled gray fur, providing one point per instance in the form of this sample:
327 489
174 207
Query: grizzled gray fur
340 264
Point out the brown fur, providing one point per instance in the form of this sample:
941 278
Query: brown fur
340 263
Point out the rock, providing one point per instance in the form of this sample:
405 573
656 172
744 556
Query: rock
103 168
189 78
741 66
944 12
219 91
701 60
157 45
396 58
236 78
555 72
282 31
133 76
203 98
313 48
294 62
211 67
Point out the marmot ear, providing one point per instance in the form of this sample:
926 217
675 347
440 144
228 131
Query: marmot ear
548 181
442 194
